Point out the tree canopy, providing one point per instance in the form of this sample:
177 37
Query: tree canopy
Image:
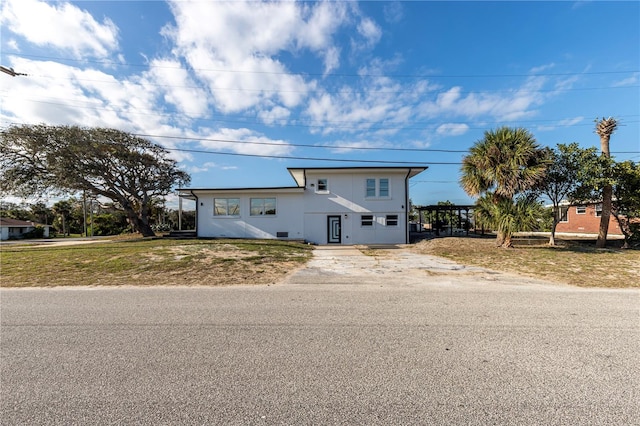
507 162
565 175
127 169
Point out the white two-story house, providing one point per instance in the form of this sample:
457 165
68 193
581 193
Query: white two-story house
355 205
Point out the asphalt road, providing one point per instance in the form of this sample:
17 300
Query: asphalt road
349 340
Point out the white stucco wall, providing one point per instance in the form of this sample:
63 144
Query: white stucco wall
303 212
288 217
346 197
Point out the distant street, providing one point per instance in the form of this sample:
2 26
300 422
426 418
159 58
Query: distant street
328 346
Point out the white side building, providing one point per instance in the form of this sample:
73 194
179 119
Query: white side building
355 205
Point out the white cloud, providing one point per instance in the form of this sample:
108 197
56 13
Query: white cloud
629 81
179 89
452 129
234 48
516 104
541 68
241 141
275 115
60 25
567 122
393 12
370 32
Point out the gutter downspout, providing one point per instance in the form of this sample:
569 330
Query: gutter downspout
406 206
197 205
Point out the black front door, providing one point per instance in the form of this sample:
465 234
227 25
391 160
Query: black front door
334 230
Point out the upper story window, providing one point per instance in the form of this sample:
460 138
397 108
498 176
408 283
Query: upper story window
377 188
371 187
322 185
263 207
384 187
226 207
581 209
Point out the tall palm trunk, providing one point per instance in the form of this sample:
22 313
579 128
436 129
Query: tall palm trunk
604 129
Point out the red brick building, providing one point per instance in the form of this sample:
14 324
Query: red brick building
584 219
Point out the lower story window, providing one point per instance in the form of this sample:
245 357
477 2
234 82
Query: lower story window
226 207
392 220
563 214
598 210
366 220
263 207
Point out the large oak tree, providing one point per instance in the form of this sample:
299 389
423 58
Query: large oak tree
127 169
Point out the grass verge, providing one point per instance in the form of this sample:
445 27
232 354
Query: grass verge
572 262
151 262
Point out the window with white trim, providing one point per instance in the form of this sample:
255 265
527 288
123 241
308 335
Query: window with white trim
563 214
322 185
598 210
371 188
366 220
391 220
263 207
377 188
226 206
384 187
581 209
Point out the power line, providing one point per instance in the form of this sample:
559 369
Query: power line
353 125
112 63
286 157
345 147
345 92
342 147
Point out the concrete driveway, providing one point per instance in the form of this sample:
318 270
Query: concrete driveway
351 339
397 264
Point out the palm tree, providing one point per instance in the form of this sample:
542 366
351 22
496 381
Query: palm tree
509 216
506 162
63 209
604 129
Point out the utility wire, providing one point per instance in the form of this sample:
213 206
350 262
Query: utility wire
342 92
291 145
112 63
342 160
334 124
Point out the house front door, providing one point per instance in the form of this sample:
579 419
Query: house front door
334 230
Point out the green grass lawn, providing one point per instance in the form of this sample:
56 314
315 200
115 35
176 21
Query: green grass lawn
151 262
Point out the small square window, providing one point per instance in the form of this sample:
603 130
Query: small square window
323 185
392 220
581 209
366 220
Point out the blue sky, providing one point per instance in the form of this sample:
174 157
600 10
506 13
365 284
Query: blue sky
241 91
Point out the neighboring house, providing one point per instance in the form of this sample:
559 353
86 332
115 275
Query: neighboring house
14 228
356 205
584 219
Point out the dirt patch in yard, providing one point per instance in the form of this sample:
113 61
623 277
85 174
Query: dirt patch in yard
571 262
